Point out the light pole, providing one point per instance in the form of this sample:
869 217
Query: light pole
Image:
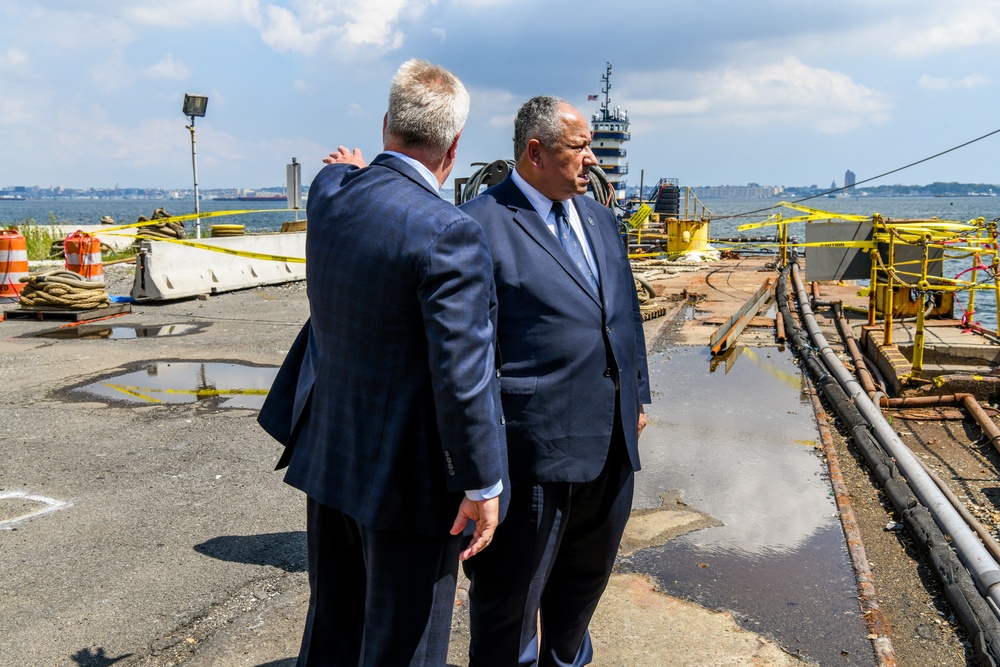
195 105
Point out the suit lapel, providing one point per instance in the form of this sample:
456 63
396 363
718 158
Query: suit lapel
596 240
531 222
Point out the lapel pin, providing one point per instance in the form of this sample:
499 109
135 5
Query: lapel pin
590 221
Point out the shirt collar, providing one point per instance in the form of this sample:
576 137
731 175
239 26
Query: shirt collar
538 201
421 169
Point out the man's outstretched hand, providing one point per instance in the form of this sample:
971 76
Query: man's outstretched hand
345 155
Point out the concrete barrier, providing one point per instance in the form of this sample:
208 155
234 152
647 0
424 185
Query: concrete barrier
166 270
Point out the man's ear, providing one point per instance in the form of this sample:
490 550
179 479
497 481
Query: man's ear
534 152
453 149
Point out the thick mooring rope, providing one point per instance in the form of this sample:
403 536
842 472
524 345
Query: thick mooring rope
167 230
62 289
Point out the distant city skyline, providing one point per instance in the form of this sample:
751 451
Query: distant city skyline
750 190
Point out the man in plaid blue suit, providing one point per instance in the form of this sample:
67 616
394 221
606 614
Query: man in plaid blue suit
388 403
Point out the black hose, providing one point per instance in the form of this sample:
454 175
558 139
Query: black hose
599 184
971 610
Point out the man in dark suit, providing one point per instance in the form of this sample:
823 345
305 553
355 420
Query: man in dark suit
573 381
388 403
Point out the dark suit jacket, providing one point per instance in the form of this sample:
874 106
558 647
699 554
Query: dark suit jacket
563 347
396 409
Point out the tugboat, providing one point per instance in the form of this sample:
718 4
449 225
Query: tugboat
610 131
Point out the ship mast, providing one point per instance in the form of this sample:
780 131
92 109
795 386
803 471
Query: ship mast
610 131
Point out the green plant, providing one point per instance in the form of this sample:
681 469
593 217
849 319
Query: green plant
37 239
45 242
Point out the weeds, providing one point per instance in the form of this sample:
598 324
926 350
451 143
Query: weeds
38 239
45 242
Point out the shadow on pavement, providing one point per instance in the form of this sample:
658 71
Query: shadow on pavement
86 657
286 551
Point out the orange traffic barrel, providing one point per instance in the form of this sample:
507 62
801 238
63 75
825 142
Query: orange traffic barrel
83 256
13 263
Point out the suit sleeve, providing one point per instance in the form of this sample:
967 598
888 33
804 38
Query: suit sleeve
642 369
455 297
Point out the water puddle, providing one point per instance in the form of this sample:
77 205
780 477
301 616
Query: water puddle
222 385
737 440
87 331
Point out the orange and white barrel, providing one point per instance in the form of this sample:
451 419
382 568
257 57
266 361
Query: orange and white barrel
83 256
13 263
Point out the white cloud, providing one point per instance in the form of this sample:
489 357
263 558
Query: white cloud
497 106
14 111
943 83
13 59
169 68
194 12
782 93
312 26
951 27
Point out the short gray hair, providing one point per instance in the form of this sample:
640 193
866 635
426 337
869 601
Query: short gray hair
539 118
428 106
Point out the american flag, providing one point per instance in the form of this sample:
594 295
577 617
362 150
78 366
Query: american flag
591 98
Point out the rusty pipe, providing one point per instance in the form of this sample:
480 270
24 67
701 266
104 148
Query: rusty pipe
988 427
968 401
851 343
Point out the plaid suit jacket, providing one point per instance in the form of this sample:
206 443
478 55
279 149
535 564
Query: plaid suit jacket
402 413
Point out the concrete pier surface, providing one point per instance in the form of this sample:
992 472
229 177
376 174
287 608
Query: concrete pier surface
141 521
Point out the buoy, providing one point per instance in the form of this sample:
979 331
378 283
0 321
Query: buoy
83 256
13 263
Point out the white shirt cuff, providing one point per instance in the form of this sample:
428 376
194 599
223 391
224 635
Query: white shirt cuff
485 494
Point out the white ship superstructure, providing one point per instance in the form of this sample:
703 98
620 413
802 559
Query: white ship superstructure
610 131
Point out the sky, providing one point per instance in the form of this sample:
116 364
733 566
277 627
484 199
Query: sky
775 92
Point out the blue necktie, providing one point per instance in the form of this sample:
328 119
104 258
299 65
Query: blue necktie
571 243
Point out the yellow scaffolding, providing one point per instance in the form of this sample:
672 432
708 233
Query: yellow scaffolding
975 240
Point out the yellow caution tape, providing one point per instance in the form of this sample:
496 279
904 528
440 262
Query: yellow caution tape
142 392
227 251
132 391
189 216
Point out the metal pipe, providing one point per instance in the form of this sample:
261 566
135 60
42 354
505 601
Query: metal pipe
194 168
968 401
851 343
917 362
887 302
981 565
988 540
988 427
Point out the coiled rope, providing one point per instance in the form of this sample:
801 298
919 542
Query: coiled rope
167 230
64 290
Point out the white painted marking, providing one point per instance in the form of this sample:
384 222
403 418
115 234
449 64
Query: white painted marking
50 505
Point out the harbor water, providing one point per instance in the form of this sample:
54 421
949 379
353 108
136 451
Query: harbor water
267 216
728 214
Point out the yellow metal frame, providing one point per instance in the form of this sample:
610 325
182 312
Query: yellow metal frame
976 239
